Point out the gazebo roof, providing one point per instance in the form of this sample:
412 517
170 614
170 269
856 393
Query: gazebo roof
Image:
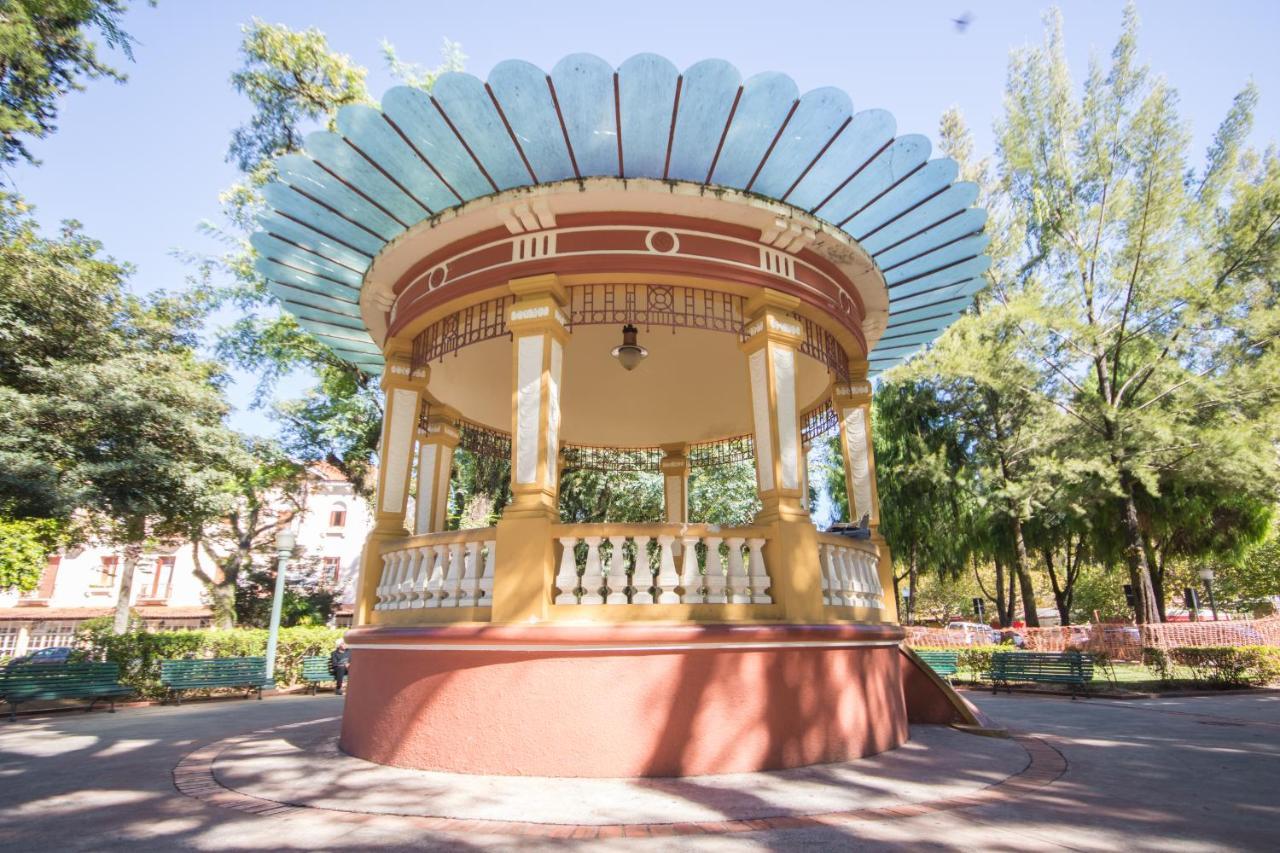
334 208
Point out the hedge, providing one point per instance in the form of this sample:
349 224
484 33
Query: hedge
1230 666
139 652
974 660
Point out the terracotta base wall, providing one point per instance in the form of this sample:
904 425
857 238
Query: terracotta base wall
623 701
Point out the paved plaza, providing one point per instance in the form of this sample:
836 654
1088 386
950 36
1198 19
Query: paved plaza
1196 773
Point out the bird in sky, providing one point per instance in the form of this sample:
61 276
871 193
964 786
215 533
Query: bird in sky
962 22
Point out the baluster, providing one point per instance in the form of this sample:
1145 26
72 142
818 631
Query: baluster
567 577
847 595
877 589
617 571
392 587
758 574
436 584
642 573
486 579
592 579
473 572
691 579
738 584
715 572
405 595
420 595
668 579
457 574
393 581
828 574
380 593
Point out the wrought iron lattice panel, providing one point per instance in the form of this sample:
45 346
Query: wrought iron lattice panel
483 441
480 322
723 452
821 345
818 422
650 305
575 457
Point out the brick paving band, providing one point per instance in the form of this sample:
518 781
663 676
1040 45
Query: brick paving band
194 777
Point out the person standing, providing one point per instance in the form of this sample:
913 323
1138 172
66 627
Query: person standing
340 664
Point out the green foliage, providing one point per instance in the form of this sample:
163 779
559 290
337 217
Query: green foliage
724 494
25 546
104 403
294 81
623 496
412 74
46 51
974 662
1230 666
139 652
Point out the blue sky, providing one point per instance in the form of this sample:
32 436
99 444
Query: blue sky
141 165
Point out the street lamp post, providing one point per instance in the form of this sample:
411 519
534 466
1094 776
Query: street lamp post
1206 575
284 548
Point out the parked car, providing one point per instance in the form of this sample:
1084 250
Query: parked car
53 654
974 633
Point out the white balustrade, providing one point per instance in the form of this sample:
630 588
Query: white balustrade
731 569
850 574
452 569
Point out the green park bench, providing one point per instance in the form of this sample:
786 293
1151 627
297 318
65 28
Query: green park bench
944 663
43 682
1072 668
315 671
250 674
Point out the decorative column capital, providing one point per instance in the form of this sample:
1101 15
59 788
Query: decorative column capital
439 425
675 459
769 319
538 307
399 373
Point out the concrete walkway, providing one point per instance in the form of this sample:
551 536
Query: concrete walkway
1186 774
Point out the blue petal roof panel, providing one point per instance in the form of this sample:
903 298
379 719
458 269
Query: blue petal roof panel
383 170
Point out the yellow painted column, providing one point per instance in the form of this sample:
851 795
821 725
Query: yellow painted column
525 570
675 482
791 552
438 437
403 403
852 403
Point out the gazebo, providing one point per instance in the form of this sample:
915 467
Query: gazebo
635 268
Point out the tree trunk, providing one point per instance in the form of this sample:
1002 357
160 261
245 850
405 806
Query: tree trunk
1007 619
1157 575
911 586
1144 593
1059 594
1000 596
132 553
1024 575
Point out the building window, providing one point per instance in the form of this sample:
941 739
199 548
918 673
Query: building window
48 634
8 640
162 583
338 516
332 568
107 572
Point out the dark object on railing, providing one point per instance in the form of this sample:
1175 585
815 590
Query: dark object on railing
861 530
